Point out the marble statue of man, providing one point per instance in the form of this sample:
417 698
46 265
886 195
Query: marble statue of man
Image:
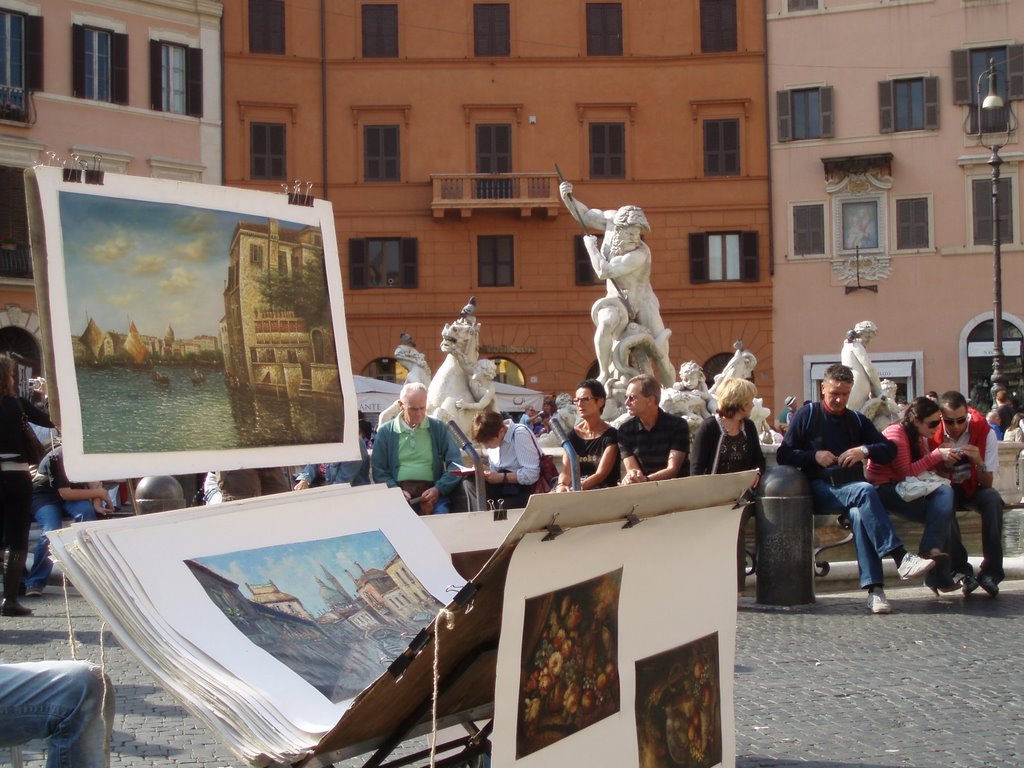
630 307
867 384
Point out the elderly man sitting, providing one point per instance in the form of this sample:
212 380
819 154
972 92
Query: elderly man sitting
415 452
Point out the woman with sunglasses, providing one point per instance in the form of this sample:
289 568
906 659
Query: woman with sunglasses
594 440
911 435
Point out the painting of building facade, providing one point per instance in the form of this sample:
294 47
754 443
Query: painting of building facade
188 326
569 676
335 611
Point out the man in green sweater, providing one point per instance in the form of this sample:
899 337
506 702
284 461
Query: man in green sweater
414 452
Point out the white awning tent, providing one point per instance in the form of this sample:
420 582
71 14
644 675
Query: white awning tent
374 395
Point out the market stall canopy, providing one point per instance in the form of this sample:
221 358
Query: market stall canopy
375 395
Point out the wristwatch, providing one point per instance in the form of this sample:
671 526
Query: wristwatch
864 450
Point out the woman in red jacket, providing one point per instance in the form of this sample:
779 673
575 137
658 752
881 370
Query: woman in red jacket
911 435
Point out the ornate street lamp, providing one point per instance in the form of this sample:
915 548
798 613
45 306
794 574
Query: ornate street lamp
991 104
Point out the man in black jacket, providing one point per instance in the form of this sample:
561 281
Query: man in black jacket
830 443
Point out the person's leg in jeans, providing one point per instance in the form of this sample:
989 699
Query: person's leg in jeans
873 533
68 703
989 504
935 512
48 516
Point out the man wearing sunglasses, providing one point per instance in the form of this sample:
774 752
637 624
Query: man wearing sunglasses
971 472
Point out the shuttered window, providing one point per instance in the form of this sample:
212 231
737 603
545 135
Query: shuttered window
495 260
383 262
381 153
607 151
604 29
724 256
912 223
809 230
804 113
490 29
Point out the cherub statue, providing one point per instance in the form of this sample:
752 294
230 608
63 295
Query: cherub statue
481 385
689 397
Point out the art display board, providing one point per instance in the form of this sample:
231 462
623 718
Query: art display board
189 327
467 658
673 616
266 616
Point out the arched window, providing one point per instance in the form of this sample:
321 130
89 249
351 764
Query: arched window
509 372
715 365
979 361
386 369
25 351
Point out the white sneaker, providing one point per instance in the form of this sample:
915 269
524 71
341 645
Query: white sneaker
913 565
877 602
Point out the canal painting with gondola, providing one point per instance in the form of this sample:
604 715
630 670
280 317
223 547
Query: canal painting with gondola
193 327
336 611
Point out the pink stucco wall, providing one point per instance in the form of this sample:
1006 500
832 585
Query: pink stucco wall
934 296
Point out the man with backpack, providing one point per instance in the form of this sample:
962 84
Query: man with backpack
830 444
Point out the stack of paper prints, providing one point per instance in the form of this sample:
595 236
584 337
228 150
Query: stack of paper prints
266 617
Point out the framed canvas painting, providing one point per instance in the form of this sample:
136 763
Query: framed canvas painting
189 327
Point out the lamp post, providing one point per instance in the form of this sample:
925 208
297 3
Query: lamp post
992 102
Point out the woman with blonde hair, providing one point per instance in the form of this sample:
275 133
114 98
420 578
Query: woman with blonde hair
15 484
728 442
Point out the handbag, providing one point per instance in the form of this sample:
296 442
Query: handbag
34 450
548 471
838 476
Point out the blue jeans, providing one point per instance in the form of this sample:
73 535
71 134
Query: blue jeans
989 504
935 512
68 703
49 517
873 533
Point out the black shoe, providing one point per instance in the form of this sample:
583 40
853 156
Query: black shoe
11 607
986 582
968 584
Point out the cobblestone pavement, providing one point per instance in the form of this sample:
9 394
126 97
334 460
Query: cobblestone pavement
937 683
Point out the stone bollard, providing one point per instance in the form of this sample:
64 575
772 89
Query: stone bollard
159 493
785 538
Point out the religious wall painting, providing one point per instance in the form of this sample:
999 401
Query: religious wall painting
329 609
678 706
569 675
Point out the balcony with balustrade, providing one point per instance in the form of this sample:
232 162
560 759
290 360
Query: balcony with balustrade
530 194
15 261
13 104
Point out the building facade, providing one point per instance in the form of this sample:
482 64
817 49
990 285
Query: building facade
882 191
435 130
122 86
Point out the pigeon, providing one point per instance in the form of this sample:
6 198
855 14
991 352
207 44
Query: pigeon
406 339
470 309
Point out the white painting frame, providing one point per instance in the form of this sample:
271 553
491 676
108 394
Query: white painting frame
89 457
151 551
654 616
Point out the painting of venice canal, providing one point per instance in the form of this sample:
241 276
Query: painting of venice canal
199 328
335 611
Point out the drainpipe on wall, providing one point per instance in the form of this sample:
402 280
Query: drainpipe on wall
323 94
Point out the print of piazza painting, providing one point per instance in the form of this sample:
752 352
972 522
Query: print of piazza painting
193 326
330 610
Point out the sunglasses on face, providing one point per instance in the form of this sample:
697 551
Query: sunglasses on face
951 421
932 424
